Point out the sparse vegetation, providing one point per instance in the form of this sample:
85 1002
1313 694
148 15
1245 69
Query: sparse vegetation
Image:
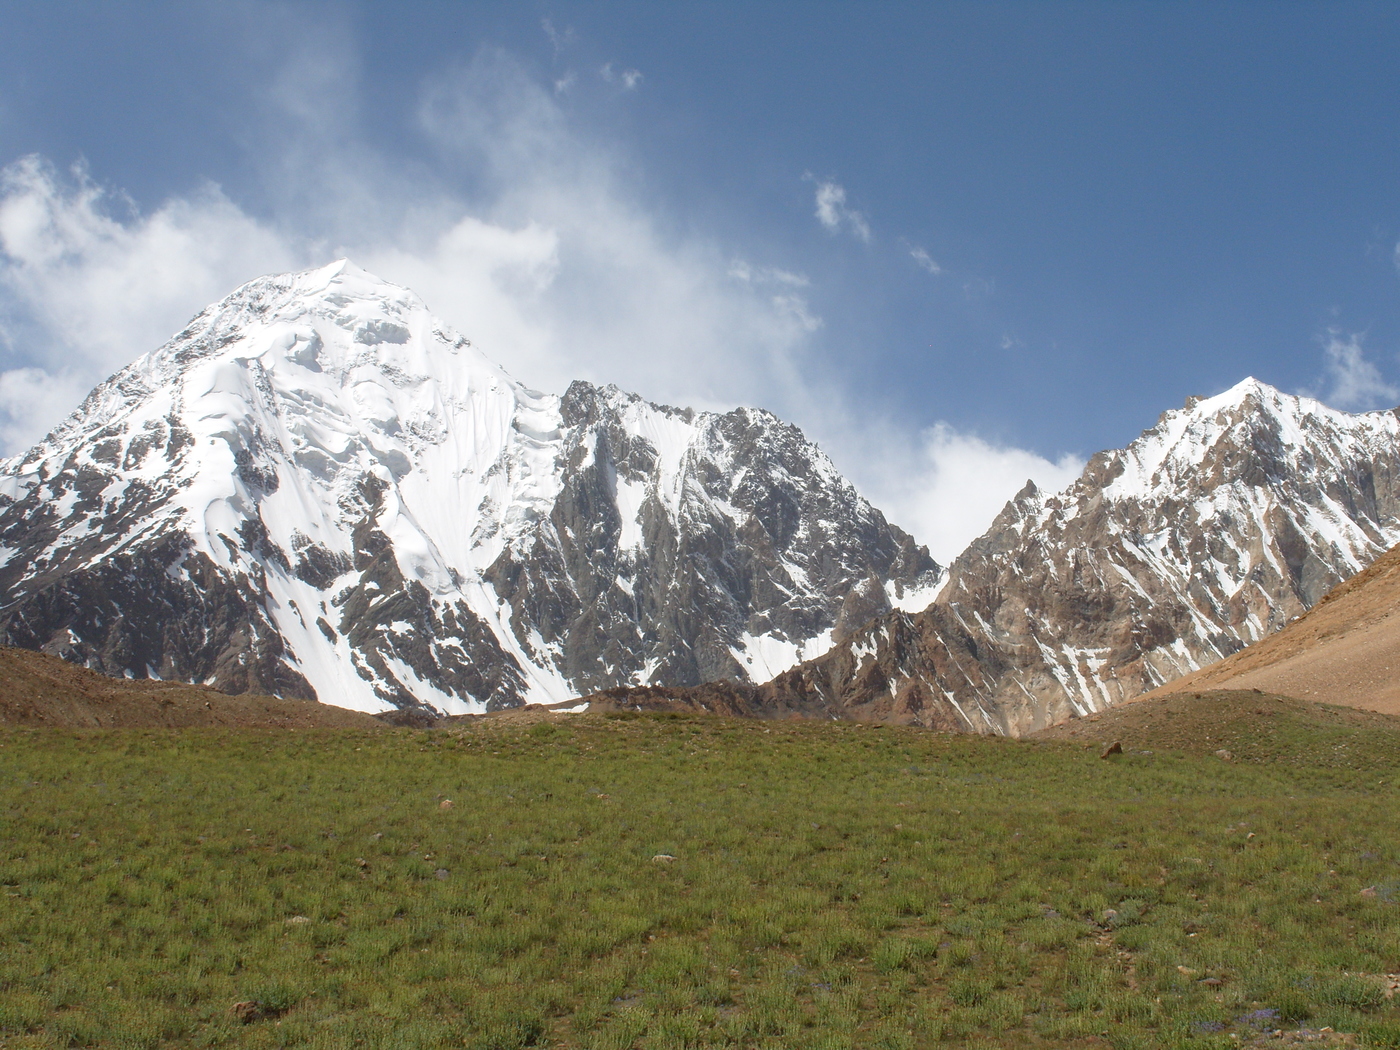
690 882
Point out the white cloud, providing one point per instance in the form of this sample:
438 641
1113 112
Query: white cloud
924 260
1349 380
83 291
546 260
619 299
833 213
947 487
549 264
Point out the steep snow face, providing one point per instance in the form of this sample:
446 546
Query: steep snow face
1249 505
318 489
1211 530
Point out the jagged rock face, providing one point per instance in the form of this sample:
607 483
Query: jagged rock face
1213 529
317 489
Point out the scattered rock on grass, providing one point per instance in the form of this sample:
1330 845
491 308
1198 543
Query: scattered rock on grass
247 1011
1115 748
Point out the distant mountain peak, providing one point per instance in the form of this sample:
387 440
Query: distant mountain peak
1211 530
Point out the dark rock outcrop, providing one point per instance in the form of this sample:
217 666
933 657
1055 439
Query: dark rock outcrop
1214 529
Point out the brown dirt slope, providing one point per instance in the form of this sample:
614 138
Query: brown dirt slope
1345 650
41 690
1246 725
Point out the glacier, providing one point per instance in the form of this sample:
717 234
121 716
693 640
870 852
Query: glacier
318 489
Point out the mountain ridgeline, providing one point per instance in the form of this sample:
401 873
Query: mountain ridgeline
319 490
1212 530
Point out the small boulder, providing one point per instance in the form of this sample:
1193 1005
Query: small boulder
1115 748
247 1011
1224 755
445 804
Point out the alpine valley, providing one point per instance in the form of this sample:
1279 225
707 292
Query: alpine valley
318 490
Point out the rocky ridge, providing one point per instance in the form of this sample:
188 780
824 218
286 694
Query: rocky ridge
1345 650
319 490
1212 530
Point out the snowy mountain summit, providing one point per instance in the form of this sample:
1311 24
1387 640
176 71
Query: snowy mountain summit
317 489
1213 529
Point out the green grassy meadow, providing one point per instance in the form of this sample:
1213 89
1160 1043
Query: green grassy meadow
830 885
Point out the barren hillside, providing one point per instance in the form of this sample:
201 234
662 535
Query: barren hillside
1345 650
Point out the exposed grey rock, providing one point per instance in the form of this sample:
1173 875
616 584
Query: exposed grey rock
316 489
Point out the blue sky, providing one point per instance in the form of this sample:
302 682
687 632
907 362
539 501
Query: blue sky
959 244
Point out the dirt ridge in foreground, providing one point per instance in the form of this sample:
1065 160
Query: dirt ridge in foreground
41 690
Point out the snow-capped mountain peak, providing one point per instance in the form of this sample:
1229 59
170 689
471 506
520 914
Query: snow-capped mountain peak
1211 530
317 488
1247 414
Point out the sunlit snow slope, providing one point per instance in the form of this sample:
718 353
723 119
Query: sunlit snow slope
317 489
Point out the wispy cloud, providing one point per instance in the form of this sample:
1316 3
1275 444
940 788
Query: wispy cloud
628 78
834 214
785 286
925 261
557 39
1349 380
741 270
